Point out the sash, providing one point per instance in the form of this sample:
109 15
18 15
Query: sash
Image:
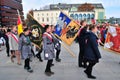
48 35
14 37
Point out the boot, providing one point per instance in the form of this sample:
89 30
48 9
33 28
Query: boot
58 60
89 75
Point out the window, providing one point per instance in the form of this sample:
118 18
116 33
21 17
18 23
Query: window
72 15
88 16
42 19
80 16
76 17
42 14
93 16
47 19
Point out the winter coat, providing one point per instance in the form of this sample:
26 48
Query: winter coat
48 46
25 46
13 41
91 52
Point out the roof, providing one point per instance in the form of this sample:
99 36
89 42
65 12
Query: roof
68 6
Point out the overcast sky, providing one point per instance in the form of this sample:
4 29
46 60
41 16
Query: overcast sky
112 7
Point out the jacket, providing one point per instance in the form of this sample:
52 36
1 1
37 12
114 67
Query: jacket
48 46
91 52
25 46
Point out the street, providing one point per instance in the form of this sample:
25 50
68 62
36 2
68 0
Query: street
107 69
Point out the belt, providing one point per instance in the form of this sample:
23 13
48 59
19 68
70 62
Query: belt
49 43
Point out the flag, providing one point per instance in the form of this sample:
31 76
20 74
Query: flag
112 41
62 22
19 23
66 28
36 30
69 33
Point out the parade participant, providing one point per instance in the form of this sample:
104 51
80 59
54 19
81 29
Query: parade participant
7 42
57 45
4 35
91 54
13 43
48 47
38 55
36 48
25 49
81 35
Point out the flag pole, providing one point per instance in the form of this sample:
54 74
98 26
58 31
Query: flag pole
19 14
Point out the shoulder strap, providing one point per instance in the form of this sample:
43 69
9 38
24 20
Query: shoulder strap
14 37
47 35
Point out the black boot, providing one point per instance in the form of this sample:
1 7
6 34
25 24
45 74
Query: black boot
39 57
88 73
58 60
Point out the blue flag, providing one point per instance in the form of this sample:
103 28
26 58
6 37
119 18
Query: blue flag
62 22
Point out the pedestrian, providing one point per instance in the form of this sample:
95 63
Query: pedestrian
4 35
37 50
25 46
81 41
7 42
48 47
91 53
38 55
57 44
13 44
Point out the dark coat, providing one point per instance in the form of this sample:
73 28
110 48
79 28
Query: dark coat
81 40
91 48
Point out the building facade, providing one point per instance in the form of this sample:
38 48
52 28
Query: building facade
8 12
78 12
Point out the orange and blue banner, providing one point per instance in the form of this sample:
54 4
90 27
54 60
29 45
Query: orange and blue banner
63 21
67 28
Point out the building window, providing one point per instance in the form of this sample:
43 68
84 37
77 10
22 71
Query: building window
76 17
80 16
88 16
42 14
42 19
92 16
72 16
47 19
84 16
